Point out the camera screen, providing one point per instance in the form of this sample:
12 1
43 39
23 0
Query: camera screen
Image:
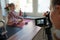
40 22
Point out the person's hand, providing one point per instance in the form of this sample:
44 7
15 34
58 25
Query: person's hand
44 14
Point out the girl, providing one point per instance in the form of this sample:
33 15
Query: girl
13 18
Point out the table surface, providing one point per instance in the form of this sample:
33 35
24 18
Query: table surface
27 32
30 17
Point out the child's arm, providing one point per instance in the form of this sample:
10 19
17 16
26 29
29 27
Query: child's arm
16 16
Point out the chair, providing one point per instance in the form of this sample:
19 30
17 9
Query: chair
3 30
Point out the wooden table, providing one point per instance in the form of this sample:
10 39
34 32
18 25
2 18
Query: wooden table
27 33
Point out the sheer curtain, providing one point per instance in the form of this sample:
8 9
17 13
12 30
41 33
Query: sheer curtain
43 5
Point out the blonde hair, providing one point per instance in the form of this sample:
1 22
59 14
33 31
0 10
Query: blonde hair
54 3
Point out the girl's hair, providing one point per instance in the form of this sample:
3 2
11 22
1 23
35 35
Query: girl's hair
9 5
55 2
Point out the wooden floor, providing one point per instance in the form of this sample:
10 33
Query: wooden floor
27 33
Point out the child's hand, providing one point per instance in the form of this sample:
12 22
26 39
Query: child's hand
44 14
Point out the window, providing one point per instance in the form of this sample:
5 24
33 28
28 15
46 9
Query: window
43 5
25 5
